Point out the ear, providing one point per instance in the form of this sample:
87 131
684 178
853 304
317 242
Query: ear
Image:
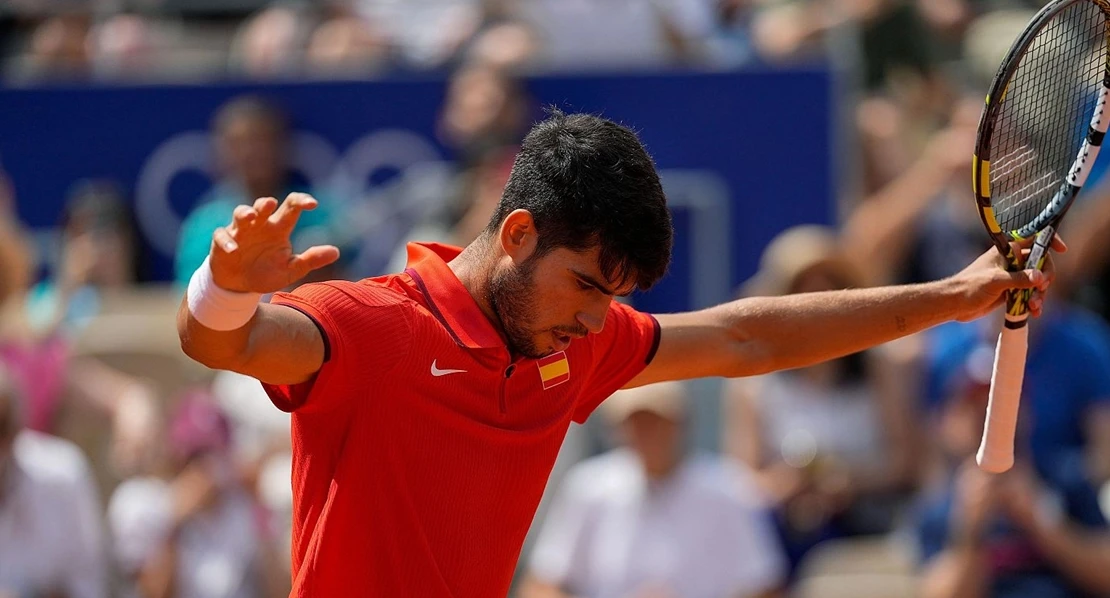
518 235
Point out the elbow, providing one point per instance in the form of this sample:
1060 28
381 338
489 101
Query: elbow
200 351
206 357
750 358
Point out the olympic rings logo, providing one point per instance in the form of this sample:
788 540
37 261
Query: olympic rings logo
348 175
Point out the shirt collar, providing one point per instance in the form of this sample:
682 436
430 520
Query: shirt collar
448 299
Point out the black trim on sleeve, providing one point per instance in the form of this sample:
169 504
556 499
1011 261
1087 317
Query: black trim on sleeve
324 335
655 342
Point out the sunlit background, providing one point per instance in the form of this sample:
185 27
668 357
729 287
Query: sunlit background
804 145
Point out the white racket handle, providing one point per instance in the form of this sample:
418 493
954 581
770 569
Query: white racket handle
996 453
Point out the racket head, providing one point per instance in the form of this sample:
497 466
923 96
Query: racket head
1039 111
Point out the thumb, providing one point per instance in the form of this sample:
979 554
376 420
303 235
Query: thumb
312 259
1028 279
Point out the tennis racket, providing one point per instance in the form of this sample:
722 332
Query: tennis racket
1039 135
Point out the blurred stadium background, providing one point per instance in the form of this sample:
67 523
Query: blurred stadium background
130 128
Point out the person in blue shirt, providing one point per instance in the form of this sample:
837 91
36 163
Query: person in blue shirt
252 147
1066 394
1038 530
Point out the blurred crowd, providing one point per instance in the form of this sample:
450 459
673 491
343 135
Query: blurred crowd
188 39
125 471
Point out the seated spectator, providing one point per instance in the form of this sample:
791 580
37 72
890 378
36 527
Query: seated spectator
346 44
124 46
51 538
579 34
57 48
197 535
483 120
492 33
648 519
270 44
36 359
252 149
1022 534
831 444
98 251
731 44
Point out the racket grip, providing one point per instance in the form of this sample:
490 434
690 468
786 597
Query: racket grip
996 452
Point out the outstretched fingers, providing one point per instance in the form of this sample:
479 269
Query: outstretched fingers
223 241
290 210
311 259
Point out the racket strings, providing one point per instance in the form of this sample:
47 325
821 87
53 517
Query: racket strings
1044 113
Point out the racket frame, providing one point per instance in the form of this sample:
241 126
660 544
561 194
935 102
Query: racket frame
1045 224
996 452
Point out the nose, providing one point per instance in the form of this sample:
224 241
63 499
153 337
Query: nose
594 319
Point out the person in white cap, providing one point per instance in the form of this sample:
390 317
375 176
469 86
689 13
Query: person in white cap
650 520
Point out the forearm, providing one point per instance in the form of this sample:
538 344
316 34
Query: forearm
799 330
1083 558
957 573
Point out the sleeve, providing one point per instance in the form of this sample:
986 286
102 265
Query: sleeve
560 555
365 335
624 347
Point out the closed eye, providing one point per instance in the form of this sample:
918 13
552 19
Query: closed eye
585 286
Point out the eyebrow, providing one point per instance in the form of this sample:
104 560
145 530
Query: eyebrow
595 284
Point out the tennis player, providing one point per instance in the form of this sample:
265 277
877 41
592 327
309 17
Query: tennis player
428 406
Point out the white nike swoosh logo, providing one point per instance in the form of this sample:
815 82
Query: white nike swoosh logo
438 372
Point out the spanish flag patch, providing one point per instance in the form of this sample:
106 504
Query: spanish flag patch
554 369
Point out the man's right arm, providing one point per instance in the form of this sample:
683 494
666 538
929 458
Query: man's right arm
221 324
280 345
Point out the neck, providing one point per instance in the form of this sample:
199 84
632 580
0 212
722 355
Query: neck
662 470
472 268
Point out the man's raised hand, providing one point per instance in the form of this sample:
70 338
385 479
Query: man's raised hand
255 254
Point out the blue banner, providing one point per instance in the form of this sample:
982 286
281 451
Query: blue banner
744 155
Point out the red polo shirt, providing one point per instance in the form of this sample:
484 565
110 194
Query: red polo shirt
421 449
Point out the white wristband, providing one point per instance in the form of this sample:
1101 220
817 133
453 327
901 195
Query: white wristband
216 308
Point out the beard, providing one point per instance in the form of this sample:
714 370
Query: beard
510 297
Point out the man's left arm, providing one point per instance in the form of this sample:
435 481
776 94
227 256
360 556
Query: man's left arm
762 334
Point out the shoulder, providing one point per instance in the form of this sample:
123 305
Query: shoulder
139 497
596 477
342 297
372 310
721 479
50 459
